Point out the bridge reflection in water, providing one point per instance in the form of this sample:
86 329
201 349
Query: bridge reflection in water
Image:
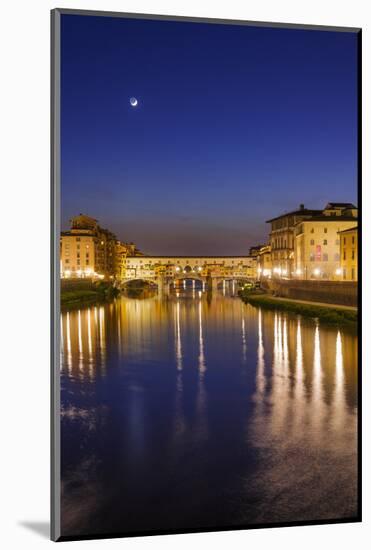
195 412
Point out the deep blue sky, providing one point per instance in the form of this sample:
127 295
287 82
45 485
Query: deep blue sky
235 125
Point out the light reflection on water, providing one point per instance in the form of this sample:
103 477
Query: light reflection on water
186 411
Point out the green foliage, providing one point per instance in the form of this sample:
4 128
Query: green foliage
326 315
100 292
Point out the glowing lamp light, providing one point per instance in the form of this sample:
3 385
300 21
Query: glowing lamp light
338 271
67 273
316 271
177 268
199 268
298 272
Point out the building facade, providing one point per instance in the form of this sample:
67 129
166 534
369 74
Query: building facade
148 267
349 254
317 253
282 240
264 262
88 250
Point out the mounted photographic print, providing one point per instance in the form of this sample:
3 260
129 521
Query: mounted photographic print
206 239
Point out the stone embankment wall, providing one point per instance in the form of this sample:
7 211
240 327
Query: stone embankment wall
77 284
331 292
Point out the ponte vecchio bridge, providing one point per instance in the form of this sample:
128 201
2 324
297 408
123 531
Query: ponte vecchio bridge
165 271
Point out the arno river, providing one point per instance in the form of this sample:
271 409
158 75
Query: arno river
191 411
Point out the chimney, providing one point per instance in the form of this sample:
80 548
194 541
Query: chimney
302 207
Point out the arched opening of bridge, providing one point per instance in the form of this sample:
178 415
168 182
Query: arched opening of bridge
138 288
188 283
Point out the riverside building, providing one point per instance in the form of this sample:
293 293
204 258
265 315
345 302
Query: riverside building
349 254
317 244
88 250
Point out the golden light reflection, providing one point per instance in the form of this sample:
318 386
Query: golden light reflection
244 345
299 394
102 341
178 339
317 391
69 353
339 390
260 376
201 355
280 375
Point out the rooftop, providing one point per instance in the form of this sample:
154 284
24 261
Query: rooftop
346 205
355 228
301 211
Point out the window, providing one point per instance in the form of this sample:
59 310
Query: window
352 273
344 255
337 242
311 257
344 241
352 254
353 240
66 261
78 255
312 242
312 230
78 247
78 262
337 257
78 239
324 241
325 230
325 257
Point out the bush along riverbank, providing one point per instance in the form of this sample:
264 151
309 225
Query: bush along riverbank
97 293
327 315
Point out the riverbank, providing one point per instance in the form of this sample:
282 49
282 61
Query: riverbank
96 294
325 313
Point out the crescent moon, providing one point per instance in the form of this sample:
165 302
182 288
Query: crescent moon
133 101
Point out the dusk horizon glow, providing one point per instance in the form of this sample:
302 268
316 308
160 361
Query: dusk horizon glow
233 125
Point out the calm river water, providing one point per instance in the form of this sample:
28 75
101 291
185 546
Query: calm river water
194 412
